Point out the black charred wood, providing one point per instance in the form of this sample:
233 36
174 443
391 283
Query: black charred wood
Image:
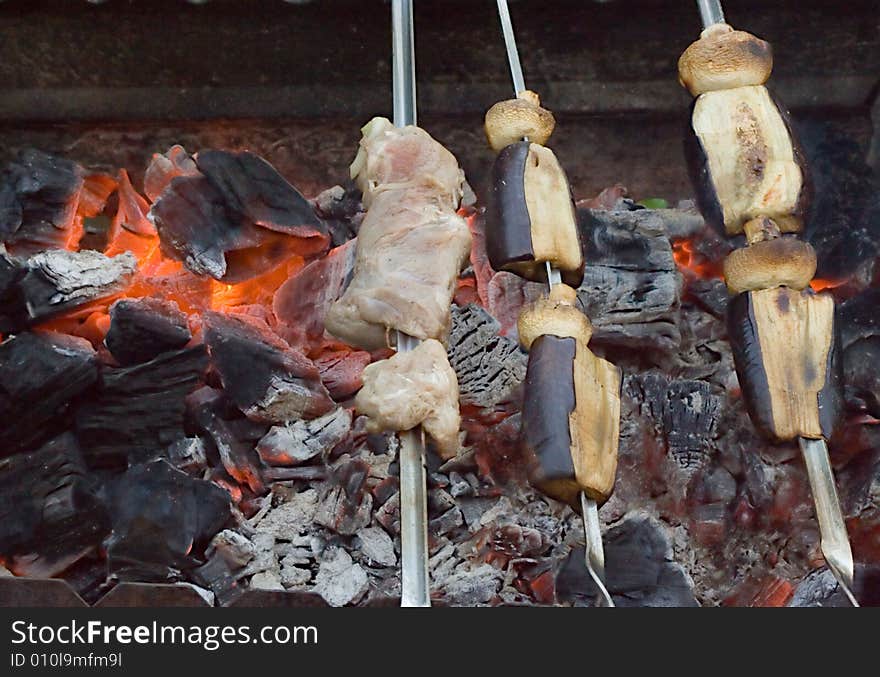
59 280
162 518
266 378
341 209
40 376
490 367
39 195
139 410
861 375
639 569
13 316
233 205
216 575
212 414
631 288
140 329
843 224
50 514
690 420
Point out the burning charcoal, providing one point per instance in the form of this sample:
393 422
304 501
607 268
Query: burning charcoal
139 410
267 380
639 568
302 441
631 284
50 515
342 371
490 368
339 580
165 167
58 280
208 408
40 375
235 204
188 454
301 303
690 418
162 518
39 194
140 329
342 210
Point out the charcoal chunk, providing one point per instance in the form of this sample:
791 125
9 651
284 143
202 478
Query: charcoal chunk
59 280
40 376
639 569
140 329
490 367
267 379
214 416
39 195
139 410
236 205
49 508
162 518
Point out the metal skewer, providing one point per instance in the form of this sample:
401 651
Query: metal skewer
594 556
414 582
710 12
835 540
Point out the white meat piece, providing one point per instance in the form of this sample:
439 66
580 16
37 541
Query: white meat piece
409 254
399 158
408 389
411 244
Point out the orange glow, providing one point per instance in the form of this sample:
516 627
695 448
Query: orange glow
258 290
821 285
693 264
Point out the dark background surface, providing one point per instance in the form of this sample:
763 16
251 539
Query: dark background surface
110 84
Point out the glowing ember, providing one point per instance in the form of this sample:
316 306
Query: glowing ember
691 263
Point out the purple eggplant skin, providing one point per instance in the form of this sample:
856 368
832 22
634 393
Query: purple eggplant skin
748 360
548 402
701 178
805 197
508 226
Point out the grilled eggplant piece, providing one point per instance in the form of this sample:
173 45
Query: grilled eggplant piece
570 420
744 162
532 217
785 353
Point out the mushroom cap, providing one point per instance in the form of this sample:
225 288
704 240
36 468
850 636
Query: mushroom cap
783 261
512 120
548 316
724 59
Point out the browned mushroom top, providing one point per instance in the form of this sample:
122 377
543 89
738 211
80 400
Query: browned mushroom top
512 120
724 58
